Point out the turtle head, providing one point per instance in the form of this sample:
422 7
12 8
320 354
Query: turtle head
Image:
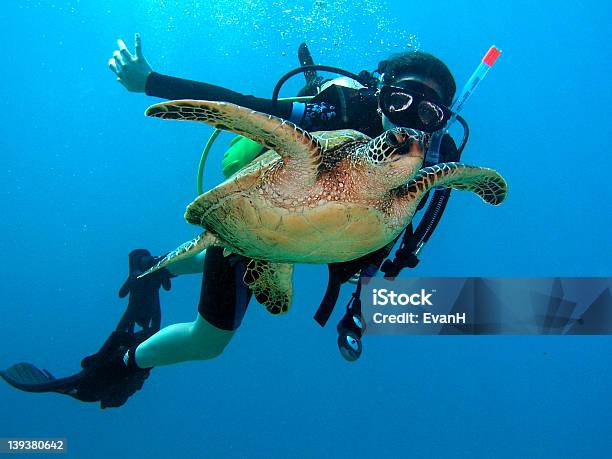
396 155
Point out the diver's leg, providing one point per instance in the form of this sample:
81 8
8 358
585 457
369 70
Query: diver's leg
176 343
223 302
191 265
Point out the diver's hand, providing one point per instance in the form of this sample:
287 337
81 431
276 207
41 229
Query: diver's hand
132 70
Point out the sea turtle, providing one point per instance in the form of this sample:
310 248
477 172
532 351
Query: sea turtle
312 198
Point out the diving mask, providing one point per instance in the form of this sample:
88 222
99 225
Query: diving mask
415 105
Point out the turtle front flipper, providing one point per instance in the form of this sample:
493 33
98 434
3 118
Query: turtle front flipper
186 250
486 183
271 283
300 151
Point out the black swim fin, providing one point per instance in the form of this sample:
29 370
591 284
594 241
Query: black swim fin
104 378
25 376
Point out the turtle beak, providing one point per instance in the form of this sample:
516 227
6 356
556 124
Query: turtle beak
408 142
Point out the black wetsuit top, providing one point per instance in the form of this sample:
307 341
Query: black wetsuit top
334 108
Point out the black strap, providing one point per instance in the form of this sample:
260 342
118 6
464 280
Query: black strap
404 256
338 274
355 303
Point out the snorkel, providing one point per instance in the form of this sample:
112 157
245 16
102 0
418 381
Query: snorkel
481 71
433 156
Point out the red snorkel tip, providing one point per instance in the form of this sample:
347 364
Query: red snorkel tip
491 56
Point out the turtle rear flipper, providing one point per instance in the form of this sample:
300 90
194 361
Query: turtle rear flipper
300 151
486 183
271 284
186 250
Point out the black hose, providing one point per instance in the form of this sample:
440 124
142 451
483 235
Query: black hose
466 133
432 216
307 68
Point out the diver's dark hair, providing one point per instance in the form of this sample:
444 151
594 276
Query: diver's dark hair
420 64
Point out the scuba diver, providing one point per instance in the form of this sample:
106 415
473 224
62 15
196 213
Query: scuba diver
412 89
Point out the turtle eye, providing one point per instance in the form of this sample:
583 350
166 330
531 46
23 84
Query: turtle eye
393 138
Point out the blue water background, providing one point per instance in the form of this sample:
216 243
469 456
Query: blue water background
85 178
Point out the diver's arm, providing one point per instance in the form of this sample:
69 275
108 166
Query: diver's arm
136 75
172 88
